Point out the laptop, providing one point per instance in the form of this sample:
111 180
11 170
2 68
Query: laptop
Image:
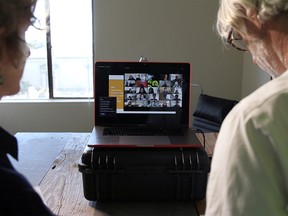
142 104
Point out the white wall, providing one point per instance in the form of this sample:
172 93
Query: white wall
161 30
72 116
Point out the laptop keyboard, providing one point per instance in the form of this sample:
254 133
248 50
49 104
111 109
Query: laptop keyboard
123 131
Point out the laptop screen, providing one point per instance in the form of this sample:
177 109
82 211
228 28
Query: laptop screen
142 93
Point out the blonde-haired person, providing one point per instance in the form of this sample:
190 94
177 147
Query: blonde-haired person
17 196
249 171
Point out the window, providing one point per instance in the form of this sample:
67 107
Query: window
61 60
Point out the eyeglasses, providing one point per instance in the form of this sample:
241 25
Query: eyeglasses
236 41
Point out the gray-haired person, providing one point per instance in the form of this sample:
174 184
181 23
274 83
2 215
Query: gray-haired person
249 171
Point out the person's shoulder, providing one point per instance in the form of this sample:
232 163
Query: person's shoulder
13 183
10 176
267 97
264 108
18 195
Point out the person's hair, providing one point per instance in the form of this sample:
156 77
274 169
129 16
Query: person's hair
230 13
13 13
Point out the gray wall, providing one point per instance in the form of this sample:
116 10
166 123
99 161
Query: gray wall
169 30
161 30
253 77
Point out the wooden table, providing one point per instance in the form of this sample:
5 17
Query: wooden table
50 162
60 182
208 140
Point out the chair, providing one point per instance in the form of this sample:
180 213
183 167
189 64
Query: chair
210 112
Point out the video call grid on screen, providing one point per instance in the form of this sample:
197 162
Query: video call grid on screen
156 89
148 90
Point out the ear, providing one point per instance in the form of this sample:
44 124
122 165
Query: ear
251 15
254 18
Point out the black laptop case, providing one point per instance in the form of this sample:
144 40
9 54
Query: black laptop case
144 173
116 171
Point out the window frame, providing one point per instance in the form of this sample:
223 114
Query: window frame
49 55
